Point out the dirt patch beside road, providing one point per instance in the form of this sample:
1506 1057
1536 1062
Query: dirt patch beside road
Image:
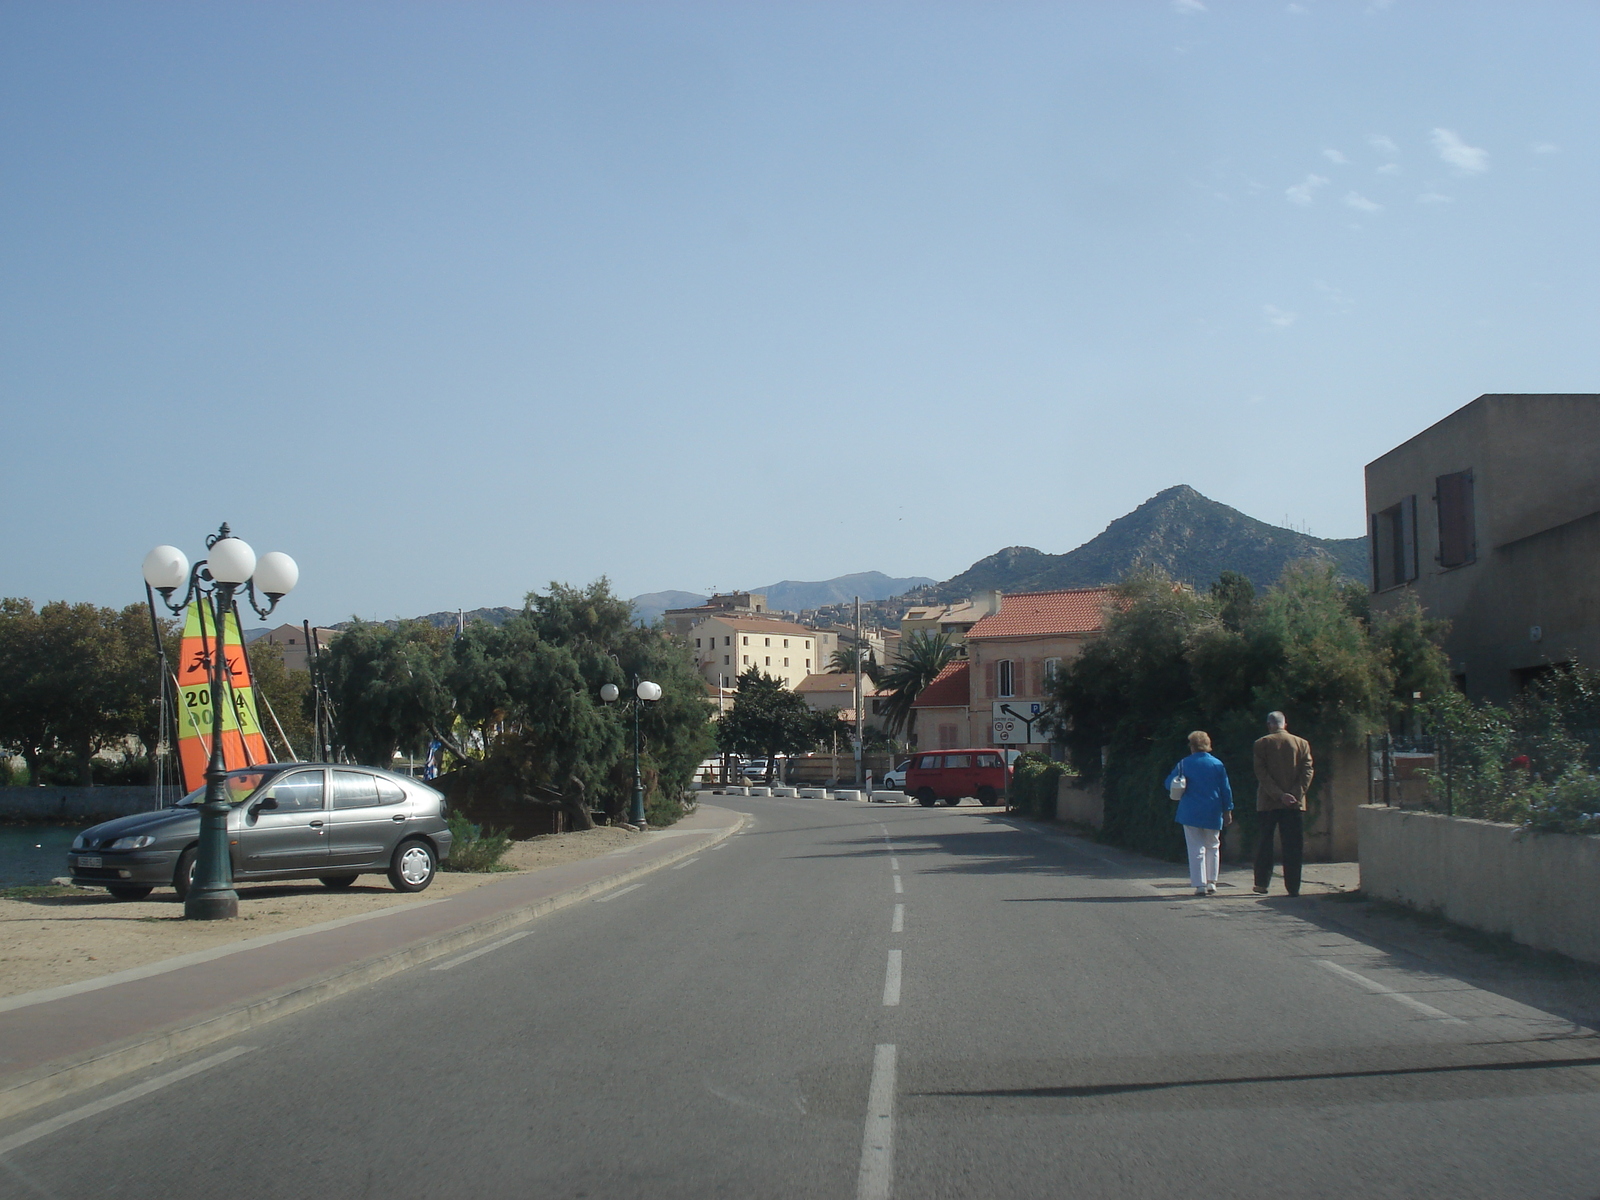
54 940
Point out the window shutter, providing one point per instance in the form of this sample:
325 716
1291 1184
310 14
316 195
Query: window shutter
1456 533
1408 539
1036 677
988 680
1375 552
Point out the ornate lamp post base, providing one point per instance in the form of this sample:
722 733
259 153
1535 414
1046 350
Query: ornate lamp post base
220 906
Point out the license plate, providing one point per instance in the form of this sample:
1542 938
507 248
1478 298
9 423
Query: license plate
89 861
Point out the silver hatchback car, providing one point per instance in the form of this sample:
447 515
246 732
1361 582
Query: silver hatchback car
287 821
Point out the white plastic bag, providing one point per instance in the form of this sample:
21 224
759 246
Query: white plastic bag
1176 790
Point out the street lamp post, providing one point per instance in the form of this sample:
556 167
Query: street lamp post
644 692
214 581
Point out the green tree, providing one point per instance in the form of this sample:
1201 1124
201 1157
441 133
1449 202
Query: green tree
768 719
843 662
384 687
922 655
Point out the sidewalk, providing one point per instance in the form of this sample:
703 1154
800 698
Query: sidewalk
61 1040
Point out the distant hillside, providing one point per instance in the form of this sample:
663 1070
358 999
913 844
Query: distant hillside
794 596
1180 531
445 620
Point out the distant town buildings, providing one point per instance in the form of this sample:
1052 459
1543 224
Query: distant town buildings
725 646
292 639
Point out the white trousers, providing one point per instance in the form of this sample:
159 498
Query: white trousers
1202 854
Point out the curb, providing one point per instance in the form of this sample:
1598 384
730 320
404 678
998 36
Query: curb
56 1080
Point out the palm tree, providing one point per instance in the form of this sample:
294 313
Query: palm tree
843 662
922 655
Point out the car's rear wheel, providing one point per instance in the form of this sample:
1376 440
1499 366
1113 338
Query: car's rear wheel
130 891
926 798
413 866
183 877
986 795
336 882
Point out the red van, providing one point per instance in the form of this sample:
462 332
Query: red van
949 775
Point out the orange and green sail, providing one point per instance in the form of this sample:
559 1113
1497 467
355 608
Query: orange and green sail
243 744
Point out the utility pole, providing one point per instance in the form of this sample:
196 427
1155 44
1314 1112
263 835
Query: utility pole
860 778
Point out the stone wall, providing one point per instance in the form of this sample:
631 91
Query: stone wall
1541 889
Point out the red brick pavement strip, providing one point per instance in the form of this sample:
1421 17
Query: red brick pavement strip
63 1045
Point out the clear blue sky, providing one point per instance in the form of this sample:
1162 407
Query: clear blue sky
450 300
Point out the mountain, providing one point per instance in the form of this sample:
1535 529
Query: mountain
795 596
1189 536
447 620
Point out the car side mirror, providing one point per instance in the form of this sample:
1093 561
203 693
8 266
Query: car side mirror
263 805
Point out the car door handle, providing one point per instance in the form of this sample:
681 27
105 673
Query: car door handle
398 817
316 824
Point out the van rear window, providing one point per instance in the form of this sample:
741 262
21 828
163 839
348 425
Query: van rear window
929 762
988 760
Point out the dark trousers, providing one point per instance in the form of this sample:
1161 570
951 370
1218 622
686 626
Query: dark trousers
1291 831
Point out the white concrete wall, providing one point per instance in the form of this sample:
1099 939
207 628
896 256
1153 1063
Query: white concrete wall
1541 889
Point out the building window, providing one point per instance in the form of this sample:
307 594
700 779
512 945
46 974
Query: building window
949 737
1458 534
1007 679
747 660
768 661
724 660
745 640
808 664
1394 545
785 643
768 641
727 641
786 662
808 643
697 643
1052 668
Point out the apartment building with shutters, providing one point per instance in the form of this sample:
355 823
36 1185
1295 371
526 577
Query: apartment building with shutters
1491 520
724 647
995 696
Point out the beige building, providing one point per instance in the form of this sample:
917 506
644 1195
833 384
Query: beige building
731 604
953 620
293 640
726 646
1491 519
837 691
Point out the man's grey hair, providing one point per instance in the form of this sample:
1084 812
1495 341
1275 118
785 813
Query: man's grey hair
1276 720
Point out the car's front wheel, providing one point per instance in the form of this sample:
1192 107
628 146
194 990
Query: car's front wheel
183 877
129 891
413 866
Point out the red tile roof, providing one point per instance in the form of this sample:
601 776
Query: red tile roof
949 688
1035 614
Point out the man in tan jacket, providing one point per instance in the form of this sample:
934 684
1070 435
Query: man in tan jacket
1283 775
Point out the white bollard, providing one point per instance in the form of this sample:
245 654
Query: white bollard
786 792
813 793
849 795
888 797
758 791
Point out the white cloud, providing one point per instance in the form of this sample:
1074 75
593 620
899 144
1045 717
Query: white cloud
1435 198
1389 169
1297 9
1188 6
1545 148
1358 201
1334 156
1470 160
1384 145
1301 193
1277 317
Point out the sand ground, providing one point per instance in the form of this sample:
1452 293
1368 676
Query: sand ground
53 940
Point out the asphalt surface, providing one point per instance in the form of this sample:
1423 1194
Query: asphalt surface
844 1001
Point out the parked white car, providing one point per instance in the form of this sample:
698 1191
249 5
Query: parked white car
896 778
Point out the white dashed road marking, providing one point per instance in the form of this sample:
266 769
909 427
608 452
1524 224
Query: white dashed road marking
472 954
1377 989
875 1181
891 980
619 892
898 925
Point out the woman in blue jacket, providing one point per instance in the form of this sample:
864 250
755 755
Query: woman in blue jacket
1207 806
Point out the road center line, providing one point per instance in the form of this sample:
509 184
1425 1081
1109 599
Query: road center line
472 954
894 863
875 1180
684 863
44 1128
1377 989
891 980
619 892
897 888
898 925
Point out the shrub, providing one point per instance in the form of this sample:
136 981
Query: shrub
1034 784
473 848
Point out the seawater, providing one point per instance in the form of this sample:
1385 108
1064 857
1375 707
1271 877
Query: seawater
34 853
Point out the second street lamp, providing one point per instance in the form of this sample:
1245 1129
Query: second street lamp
214 581
644 692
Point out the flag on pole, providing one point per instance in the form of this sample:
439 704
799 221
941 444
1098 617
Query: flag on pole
243 743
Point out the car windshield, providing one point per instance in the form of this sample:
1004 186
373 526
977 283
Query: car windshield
239 784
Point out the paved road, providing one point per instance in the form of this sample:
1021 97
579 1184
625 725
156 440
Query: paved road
846 1001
